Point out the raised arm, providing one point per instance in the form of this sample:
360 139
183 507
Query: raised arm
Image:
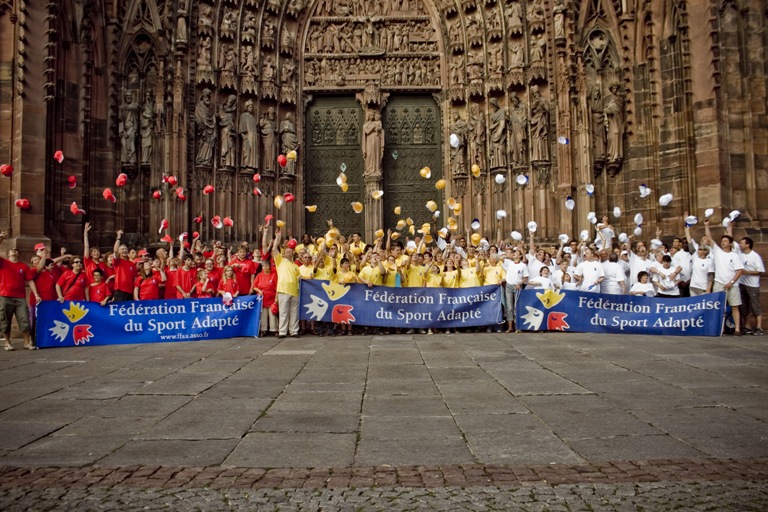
116 248
86 245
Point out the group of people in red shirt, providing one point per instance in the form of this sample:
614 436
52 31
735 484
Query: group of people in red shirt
203 272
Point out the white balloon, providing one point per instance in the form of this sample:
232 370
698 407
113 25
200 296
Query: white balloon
638 218
709 212
516 235
521 179
665 199
585 235
455 141
616 212
638 231
500 178
532 226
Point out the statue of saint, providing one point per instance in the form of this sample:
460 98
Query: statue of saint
289 140
595 101
539 127
205 125
373 144
249 131
458 128
479 136
269 138
129 112
147 125
614 122
498 126
518 121
228 136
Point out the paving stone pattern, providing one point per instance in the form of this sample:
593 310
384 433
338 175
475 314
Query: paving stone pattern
443 422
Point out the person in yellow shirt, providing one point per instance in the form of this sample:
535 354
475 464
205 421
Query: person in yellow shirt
433 279
287 286
322 272
492 272
414 271
450 275
393 277
307 244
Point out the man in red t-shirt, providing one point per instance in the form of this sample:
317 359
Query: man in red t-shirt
186 278
91 256
14 276
125 271
245 270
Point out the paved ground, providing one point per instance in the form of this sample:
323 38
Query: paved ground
443 422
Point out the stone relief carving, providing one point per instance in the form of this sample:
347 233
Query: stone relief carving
614 120
249 133
204 73
268 34
181 24
227 131
205 19
479 137
228 24
248 70
559 19
598 128
227 65
287 81
250 27
205 126
129 112
268 139
515 18
539 126
268 78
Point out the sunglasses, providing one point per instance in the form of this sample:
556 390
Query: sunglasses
78 262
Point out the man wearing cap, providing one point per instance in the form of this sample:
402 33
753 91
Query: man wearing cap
287 287
14 275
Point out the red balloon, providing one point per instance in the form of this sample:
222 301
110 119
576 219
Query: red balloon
282 160
23 203
6 169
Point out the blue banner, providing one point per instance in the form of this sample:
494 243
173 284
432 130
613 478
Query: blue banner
576 311
413 308
148 321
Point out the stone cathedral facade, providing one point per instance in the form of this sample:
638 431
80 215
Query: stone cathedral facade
544 96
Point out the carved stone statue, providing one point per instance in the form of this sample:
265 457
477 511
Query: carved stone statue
515 18
535 11
559 16
479 136
181 24
289 140
538 49
516 57
204 68
598 126
129 112
147 125
518 121
498 128
249 131
205 125
373 144
539 127
228 135
459 128
614 121
269 138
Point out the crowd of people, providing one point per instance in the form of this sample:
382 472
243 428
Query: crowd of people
608 264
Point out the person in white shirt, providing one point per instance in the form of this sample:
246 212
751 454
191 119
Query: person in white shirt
666 279
516 277
589 274
702 272
749 285
638 262
642 286
557 276
728 270
543 282
605 233
614 282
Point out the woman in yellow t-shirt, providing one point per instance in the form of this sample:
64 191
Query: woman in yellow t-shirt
469 276
451 275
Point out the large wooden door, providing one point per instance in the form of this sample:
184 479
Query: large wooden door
412 141
334 127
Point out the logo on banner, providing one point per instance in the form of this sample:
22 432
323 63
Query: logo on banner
555 319
340 313
81 333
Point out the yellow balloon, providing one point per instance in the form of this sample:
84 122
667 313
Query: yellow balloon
440 184
357 206
475 170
